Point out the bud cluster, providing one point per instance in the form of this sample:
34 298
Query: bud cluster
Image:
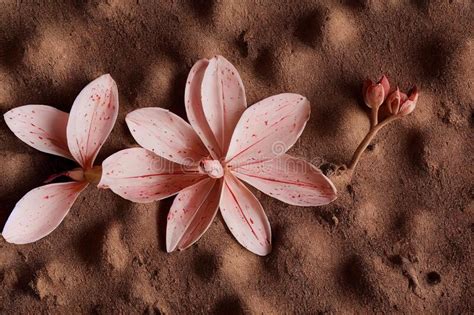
398 103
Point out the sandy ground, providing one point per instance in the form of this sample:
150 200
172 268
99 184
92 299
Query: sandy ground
398 239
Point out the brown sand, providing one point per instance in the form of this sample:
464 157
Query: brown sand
405 220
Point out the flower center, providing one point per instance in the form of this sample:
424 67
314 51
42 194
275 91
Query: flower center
93 174
213 168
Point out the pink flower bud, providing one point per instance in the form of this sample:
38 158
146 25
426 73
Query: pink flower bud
400 104
375 93
393 101
407 108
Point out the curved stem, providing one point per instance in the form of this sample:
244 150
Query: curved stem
368 138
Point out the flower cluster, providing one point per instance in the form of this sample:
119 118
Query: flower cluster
205 162
223 145
77 136
398 104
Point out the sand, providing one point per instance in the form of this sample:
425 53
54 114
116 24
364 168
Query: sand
398 238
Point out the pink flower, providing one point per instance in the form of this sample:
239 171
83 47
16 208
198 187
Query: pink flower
400 104
78 137
204 161
375 93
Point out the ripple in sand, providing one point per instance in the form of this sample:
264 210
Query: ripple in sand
8 279
7 91
369 217
462 68
141 291
351 127
433 154
231 11
206 265
240 267
229 305
340 29
317 255
257 304
159 82
202 8
300 64
114 251
266 66
55 281
54 52
12 51
370 280
110 8
424 112
421 227
9 255
309 28
14 168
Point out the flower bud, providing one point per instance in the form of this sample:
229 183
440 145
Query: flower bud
407 108
400 104
375 93
393 101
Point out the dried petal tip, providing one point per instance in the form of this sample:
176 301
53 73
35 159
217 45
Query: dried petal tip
375 93
414 94
385 84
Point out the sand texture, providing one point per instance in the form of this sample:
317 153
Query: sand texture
397 239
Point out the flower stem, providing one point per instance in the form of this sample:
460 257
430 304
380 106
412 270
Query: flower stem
368 138
374 114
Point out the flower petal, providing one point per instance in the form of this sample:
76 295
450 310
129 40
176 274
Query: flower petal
407 108
92 118
268 129
41 211
386 85
223 99
166 134
194 110
245 216
290 180
139 175
191 214
40 126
